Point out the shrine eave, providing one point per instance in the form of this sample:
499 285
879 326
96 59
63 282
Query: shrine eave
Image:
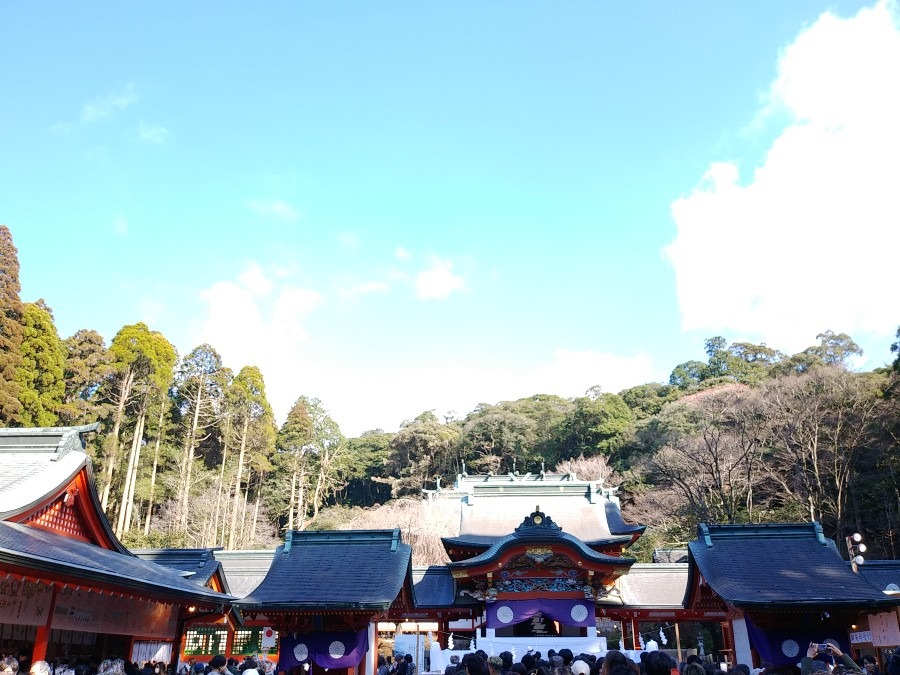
40 554
484 542
782 566
501 551
334 570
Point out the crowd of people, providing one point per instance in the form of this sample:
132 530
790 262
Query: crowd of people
218 665
819 660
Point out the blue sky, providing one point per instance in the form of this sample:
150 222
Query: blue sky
398 207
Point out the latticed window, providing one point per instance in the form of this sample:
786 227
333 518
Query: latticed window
249 641
205 640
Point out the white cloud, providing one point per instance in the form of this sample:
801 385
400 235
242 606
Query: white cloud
257 321
109 105
806 243
364 288
274 209
254 280
383 397
438 282
402 254
120 226
151 133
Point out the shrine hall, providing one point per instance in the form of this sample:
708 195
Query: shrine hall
538 561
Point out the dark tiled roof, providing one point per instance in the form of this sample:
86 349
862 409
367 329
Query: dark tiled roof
433 586
45 551
778 565
617 524
344 569
881 574
533 531
244 570
199 562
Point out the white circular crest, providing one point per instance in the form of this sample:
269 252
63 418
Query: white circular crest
790 648
579 613
504 614
336 649
301 651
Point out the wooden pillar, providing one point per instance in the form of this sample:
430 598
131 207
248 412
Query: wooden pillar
635 634
229 640
728 639
42 639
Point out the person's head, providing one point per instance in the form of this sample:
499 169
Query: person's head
580 667
9 666
507 659
869 663
199 668
567 656
693 658
218 664
659 663
474 665
528 661
693 669
408 658
495 665
40 668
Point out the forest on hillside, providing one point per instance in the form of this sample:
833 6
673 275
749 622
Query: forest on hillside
188 452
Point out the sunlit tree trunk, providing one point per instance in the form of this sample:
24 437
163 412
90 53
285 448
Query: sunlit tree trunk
159 434
189 455
113 438
290 523
215 526
125 511
237 482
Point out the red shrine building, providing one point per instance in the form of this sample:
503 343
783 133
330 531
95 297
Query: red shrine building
539 561
68 587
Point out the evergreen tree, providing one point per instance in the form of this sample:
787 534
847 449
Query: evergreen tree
40 374
11 331
88 365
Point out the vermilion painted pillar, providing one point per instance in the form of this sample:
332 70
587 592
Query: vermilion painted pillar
42 639
635 635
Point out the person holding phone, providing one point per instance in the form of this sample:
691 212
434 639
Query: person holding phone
809 664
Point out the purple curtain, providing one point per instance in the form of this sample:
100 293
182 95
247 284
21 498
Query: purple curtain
569 612
787 647
329 650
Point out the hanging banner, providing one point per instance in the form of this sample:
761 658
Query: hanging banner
24 603
326 649
569 612
787 647
885 629
88 611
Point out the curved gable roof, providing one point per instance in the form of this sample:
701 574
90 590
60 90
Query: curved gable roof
343 569
779 565
35 549
539 528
